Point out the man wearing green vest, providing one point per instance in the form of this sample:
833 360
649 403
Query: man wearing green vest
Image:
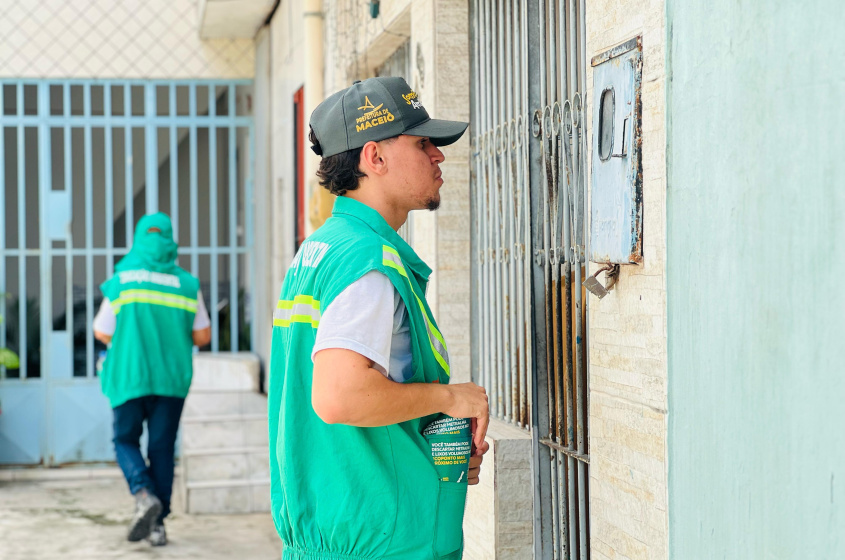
371 448
151 316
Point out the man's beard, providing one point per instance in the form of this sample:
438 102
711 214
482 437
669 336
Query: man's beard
433 203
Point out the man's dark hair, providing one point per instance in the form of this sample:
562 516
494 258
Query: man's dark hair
338 173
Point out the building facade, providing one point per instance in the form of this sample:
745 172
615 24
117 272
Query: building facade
473 61
616 149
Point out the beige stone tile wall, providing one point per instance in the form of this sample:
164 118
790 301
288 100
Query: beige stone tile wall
627 336
439 38
115 39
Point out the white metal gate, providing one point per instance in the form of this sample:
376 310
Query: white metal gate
529 241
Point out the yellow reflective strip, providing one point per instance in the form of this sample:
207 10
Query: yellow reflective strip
124 301
431 329
429 323
301 299
431 326
307 300
156 293
440 360
395 266
306 319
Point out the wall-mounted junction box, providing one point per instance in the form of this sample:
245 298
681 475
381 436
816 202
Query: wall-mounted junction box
616 225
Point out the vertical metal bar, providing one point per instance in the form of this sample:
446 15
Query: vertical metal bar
576 480
492 377
583 478
151 149
128 209
577 270
46 261
234 302
483 190
514 161
2 229
174 161
513 373
68 184
22 303
558 307
550 320
521 213
192 102
108 157
486 353
528 380
501 370
475 310
534 57
89 234
501 230
212 207
248 221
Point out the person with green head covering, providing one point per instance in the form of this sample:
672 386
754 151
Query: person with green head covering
151 317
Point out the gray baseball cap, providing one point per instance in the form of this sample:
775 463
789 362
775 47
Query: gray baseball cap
373 110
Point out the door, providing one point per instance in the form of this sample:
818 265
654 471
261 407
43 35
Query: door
529 248
81 161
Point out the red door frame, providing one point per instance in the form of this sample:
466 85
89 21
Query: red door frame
299 164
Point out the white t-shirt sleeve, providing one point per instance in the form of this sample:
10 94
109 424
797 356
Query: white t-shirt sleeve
360 319
201 319
105 320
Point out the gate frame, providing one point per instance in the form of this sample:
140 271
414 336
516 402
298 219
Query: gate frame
48 383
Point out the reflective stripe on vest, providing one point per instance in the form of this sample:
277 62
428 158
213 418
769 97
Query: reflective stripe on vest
154 297
302 309
391 259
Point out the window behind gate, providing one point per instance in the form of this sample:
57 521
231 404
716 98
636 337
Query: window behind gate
529 308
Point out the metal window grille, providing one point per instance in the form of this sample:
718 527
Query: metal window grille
529 148
501 209
80 162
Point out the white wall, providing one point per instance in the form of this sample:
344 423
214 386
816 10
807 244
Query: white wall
115 39
627 336
287 75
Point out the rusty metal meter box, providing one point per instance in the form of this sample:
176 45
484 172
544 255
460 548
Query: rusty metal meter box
616 224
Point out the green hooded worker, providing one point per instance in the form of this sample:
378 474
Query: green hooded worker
151 316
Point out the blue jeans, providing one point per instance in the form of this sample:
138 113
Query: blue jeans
162 416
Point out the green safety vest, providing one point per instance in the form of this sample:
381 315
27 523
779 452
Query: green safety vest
151 349
341 492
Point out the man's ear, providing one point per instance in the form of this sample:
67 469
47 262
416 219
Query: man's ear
372 160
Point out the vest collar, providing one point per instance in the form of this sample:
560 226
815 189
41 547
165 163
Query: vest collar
358 210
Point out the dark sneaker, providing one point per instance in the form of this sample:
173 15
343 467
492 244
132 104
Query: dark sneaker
147 508
158 537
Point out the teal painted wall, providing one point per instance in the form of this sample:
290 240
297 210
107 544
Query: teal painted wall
755 273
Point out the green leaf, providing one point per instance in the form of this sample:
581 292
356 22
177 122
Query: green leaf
9 359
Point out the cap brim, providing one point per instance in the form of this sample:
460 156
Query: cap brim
441 133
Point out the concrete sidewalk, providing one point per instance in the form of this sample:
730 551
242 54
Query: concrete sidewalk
51 519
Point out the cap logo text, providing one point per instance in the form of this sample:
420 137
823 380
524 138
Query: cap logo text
411 99
373 116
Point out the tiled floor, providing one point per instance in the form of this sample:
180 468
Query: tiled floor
85 518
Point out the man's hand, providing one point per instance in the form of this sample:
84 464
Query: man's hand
470 401
201 337
475 461
102 337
